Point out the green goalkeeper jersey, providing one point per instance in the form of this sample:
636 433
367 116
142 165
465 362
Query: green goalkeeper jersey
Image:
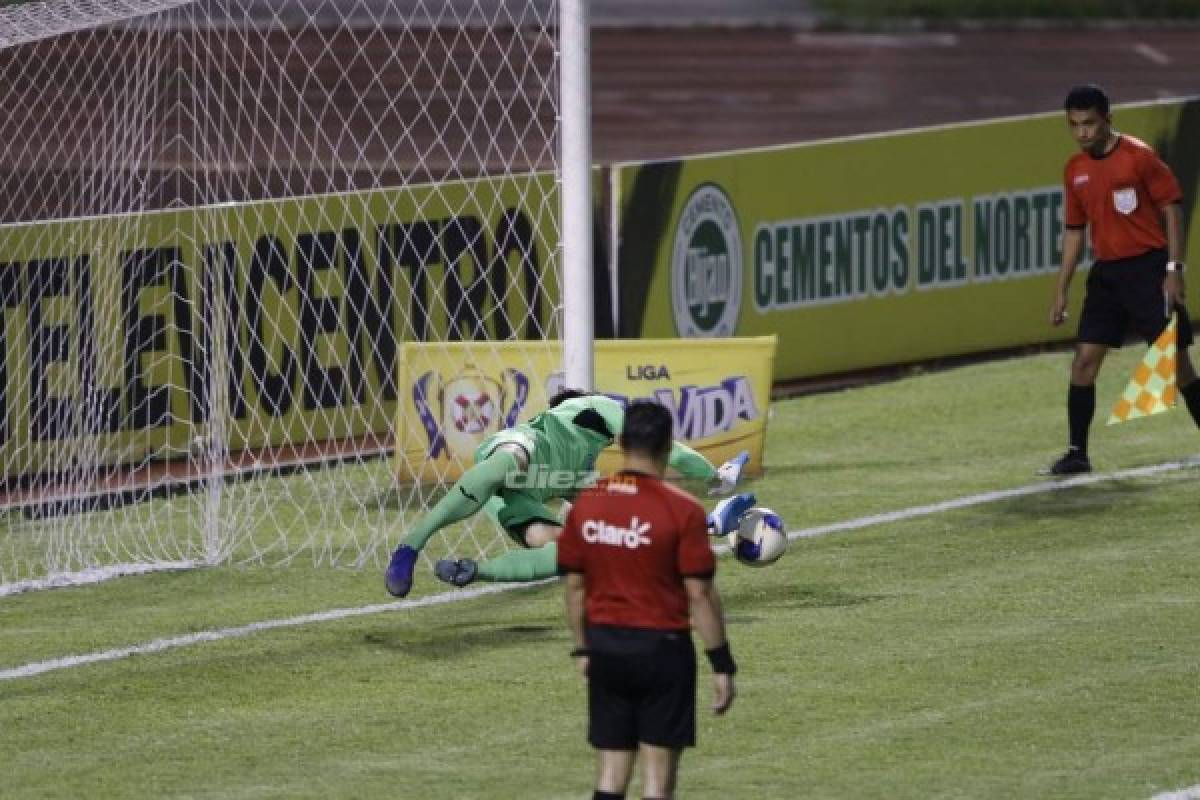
567 440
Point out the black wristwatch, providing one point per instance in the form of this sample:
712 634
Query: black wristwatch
1174 266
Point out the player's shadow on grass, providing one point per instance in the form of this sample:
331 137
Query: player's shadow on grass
801 470
405 498
453 641
1096 498
773 598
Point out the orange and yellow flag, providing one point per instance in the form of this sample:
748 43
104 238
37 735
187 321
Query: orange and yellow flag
1152 388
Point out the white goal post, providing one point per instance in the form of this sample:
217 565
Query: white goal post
220 220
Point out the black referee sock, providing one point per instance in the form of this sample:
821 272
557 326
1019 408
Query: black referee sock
599 795
1191 395
1081 407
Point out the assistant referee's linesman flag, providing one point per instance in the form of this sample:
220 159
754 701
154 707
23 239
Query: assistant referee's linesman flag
1152 389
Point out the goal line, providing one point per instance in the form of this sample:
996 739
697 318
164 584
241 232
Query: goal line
169 643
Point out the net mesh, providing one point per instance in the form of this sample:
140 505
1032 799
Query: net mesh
219 221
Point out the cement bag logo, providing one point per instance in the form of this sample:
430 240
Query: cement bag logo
706 265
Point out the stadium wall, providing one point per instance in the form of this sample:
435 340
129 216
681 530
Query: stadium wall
857 253
873 250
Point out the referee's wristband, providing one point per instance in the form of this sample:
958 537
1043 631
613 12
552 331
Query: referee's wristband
721 660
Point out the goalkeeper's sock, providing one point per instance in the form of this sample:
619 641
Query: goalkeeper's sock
466 497
1081 407
1191 395
521 565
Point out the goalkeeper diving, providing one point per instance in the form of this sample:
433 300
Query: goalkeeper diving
507 480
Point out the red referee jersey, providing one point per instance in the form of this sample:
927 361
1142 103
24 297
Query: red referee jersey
1121 195
635 538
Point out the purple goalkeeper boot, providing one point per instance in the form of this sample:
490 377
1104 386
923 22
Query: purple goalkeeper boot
399 575
456 571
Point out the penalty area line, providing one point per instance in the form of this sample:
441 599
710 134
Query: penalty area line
170 643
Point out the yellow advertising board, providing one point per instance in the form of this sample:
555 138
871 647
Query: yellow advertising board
127 335
456 394
871 250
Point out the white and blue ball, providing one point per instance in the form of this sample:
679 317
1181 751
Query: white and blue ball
760 538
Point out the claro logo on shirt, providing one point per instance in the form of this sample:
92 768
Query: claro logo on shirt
599 532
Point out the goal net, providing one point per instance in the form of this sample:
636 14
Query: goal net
220 223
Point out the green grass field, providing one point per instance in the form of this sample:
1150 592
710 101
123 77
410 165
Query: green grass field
1041 647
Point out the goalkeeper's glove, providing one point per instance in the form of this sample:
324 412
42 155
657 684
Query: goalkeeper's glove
726 514
729 473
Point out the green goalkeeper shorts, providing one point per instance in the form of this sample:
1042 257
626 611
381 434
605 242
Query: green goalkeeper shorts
520 438
515 511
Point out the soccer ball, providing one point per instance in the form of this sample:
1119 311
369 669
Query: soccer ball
760 538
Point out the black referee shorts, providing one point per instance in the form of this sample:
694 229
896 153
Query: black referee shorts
1126 295
641 689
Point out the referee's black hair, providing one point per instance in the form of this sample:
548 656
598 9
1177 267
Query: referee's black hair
648 429
1085 98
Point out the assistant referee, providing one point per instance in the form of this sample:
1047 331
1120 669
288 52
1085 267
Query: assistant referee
1123 193
636 556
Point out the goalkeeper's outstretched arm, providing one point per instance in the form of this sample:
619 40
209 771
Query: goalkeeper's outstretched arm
690 463
693 465
683 459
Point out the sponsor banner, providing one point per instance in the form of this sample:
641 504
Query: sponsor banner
113 328
872 250
457 394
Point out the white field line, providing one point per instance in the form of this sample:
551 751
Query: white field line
159 645
170 643
1190 793
992 497
1151 53
94 575
986 497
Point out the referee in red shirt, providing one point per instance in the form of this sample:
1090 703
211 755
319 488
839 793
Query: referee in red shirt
636 557
1122 191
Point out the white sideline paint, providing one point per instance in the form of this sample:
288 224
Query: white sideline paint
986 497
1152 54
1190 793
159 645
992 497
